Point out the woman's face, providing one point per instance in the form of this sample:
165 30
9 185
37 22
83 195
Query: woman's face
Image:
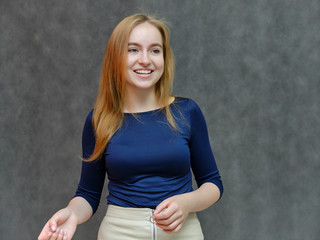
145 57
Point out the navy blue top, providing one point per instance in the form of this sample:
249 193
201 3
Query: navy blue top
147 161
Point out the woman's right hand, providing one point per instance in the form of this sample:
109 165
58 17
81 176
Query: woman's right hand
61 226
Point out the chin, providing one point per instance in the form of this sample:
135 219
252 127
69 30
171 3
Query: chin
143 84
143 87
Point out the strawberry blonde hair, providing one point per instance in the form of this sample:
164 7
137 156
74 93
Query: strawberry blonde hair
108 110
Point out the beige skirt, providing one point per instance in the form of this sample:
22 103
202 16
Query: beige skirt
122 223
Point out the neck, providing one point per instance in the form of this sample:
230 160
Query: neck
140 100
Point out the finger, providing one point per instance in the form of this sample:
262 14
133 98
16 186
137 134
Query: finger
175 230
60 235
45 233
50 234
170 227
65 236
166 213
53 226
54 236
53 223
168 221
160 208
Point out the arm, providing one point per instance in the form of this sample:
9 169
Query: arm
171 213
63 223
203 197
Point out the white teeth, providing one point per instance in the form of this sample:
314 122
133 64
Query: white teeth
143 71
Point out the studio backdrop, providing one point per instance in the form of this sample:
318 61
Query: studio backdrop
252 66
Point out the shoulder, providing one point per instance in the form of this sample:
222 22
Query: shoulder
88 122
187 105
90 114
190 110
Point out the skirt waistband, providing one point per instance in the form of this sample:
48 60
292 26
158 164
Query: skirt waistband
130 213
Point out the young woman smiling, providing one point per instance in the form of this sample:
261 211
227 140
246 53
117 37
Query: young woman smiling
146 141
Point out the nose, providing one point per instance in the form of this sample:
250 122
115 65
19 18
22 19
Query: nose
144 59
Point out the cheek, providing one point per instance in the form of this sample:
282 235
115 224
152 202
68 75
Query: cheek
129 62
160 63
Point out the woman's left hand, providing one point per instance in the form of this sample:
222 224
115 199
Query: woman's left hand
171 213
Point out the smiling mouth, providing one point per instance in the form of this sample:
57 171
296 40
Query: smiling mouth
143 71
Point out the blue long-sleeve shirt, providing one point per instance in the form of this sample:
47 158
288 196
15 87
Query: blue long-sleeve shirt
146 161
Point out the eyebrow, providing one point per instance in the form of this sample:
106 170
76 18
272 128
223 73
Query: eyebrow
152 45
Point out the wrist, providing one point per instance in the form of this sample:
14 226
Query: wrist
73 215
188 199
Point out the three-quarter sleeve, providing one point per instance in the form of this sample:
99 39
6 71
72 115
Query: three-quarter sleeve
203 163
92 173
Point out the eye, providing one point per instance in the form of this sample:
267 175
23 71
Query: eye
155 51
133 50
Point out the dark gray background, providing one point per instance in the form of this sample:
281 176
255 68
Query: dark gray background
252 66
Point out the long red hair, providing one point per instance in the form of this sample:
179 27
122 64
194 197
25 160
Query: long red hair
108 110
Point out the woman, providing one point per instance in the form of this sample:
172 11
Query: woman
146 140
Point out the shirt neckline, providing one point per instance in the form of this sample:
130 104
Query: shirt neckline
150 111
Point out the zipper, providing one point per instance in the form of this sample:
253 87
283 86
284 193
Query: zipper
153 227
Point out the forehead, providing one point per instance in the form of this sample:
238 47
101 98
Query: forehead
145 33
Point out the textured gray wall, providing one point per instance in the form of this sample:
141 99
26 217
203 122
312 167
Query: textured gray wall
253 67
